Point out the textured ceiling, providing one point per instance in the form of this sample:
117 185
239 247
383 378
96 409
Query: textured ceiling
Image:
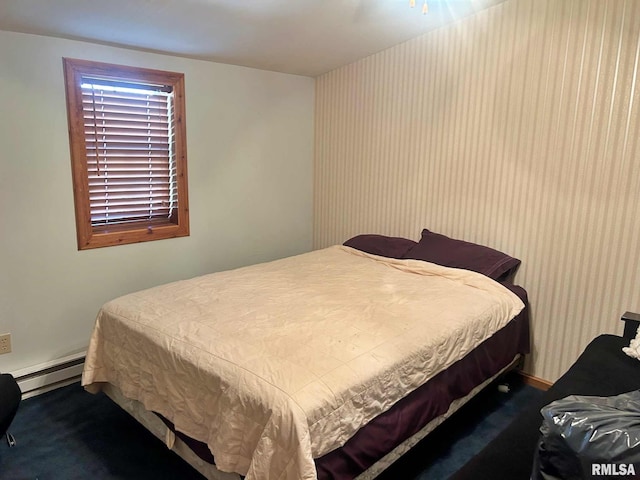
305 37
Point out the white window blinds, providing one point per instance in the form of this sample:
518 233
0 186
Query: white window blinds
130 151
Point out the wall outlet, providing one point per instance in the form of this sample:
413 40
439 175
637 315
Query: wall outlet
5 343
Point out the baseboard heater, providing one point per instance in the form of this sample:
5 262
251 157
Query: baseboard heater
50 375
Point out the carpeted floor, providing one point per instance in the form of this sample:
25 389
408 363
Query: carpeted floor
69 434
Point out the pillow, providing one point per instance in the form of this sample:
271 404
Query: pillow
449 252
392 247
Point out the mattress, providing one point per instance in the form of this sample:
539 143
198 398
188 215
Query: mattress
276 364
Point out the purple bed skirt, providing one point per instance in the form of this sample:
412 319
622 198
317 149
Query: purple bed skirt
412 413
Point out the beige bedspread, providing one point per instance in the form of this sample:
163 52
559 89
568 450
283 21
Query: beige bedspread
276 364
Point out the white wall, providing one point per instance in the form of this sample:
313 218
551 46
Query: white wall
250 154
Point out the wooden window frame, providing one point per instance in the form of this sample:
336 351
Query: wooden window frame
95 236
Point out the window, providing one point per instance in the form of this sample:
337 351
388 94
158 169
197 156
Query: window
128 153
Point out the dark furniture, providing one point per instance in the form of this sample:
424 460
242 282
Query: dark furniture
9 400
603 369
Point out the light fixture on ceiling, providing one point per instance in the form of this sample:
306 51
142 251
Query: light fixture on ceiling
425 7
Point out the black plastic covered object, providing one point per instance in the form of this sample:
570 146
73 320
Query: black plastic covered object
589 437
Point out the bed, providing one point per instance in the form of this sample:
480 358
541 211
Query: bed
328 364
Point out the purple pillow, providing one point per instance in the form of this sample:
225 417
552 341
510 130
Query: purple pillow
449 252
391 247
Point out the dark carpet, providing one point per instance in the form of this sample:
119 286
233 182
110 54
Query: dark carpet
70 434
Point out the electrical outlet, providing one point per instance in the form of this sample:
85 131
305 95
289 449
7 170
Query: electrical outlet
5 343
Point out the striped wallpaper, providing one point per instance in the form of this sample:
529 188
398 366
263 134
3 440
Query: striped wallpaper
516 128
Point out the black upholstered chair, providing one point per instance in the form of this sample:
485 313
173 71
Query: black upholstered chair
10 396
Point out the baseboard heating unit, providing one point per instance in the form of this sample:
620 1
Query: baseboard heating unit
50 375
